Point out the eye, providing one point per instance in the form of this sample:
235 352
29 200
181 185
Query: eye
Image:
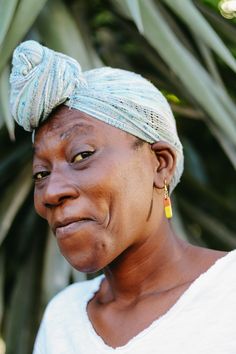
40 175
81 156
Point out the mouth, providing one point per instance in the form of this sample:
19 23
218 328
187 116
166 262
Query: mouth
64 227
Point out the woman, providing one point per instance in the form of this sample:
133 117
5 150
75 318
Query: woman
106 151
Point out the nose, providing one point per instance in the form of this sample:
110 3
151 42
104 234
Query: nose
58 189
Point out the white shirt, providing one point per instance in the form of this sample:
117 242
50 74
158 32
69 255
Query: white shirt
203 320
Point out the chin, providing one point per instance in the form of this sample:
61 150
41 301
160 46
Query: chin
85 264
89 257
90 250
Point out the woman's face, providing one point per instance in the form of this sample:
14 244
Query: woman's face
94 186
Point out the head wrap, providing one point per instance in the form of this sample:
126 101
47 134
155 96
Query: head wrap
42 79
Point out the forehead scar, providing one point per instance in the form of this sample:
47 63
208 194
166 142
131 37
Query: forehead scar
81 128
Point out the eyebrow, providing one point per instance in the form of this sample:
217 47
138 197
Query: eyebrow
83 128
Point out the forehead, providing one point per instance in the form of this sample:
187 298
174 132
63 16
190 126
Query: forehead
65 124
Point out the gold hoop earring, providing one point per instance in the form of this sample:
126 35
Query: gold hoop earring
167 202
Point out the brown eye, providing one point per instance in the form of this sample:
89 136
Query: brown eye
82 155
40 175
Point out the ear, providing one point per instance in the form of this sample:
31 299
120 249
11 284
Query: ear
166 162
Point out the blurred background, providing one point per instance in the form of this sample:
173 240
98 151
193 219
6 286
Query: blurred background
187 49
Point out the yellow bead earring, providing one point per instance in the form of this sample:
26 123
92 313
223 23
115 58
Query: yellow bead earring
167 202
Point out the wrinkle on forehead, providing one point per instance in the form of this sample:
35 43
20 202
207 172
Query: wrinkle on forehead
81 128
66 124
58 123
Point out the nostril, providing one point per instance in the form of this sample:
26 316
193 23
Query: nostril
58 201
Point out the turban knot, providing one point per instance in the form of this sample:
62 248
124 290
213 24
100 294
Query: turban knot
42 79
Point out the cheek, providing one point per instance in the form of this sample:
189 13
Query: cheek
38 204
137 193
130 208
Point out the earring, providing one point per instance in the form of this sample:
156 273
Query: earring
167 202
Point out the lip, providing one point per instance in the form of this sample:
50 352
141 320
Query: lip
68 226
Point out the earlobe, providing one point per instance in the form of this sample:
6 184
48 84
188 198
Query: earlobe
166 162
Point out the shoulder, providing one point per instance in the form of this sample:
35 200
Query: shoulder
221 259
219 279
227 263
219 263
65 313
203 259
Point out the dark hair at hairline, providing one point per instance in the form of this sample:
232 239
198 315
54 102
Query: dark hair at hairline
138 142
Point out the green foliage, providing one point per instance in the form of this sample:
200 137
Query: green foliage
185 48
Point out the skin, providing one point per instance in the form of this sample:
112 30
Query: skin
105 207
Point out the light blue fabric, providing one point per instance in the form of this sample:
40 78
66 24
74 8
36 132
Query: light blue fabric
42 79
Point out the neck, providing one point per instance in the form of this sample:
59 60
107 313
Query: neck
154 264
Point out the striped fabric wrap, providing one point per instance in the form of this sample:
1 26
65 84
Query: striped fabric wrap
42 79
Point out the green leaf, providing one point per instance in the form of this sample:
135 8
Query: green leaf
2 259
210 62
2 346
12 199
219 88
122 6
228 146
134 8
209 223
13 161
24 17
4 101
2 121
7 11
197 23
60 32
193 76
223 27
23 304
